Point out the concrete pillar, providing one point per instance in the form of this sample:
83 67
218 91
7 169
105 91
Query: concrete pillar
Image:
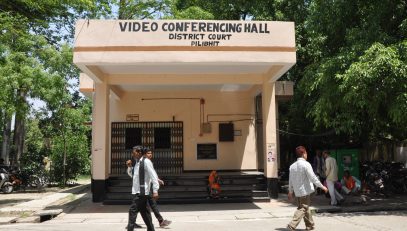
270 136
100 141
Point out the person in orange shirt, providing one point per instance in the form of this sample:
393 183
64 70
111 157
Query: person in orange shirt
214 186
349 183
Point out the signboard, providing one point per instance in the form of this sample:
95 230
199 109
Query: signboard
132 117
194 32
206 151
150 34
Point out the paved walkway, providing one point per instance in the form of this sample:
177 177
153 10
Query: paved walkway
32 205
76 207
88 212
7 200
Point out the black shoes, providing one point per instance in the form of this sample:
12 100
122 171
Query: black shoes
165 223
133 226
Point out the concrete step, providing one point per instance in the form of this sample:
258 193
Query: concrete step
192 188
198 176
190 182
167 189
195 200
199 194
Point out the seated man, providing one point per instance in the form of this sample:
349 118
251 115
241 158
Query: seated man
214 186
350 183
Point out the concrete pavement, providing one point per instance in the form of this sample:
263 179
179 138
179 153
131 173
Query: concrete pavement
46 204
80 213
228 222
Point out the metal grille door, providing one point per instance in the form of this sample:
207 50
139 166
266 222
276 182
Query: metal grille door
164 138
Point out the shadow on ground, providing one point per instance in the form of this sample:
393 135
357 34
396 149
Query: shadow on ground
85 205
13 201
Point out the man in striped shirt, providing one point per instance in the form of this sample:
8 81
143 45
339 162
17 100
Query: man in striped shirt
301 182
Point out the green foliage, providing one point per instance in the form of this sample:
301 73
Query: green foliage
35 64
375 90
21 73
32 160
146 9
193 12
224 9
55 20
73 142
34 138
350 71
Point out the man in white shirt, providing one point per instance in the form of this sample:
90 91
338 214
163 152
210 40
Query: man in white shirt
331 172
301 182
143 176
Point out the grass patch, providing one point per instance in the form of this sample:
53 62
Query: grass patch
84 177
72 197
25 214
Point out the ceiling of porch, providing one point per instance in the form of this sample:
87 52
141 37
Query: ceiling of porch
225 77
187 68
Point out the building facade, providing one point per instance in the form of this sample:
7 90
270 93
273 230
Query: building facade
202 94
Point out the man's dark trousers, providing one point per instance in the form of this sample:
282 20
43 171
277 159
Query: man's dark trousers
153 206
139 204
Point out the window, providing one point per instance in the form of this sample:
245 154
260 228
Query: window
162 138
133 137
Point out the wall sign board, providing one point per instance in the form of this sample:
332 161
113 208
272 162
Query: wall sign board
132 117
206 151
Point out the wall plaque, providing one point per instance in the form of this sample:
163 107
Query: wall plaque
132 117
206 151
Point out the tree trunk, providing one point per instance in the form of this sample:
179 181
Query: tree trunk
18 140
5 151
19 127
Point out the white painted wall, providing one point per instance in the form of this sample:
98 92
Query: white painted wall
240 154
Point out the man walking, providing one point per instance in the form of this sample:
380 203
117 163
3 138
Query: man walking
144 176
331 172
301 182
153 203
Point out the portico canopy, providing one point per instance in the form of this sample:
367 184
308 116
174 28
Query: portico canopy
223 55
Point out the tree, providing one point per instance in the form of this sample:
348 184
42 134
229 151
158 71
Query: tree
147 9
358 54
224 9
32 57
192 12
21 74
70 148
374 91
55 20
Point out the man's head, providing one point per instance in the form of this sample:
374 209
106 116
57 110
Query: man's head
318 152
137 152
325 153
301 152
346 173
148 153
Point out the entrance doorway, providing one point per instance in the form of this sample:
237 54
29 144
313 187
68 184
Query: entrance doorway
164 138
